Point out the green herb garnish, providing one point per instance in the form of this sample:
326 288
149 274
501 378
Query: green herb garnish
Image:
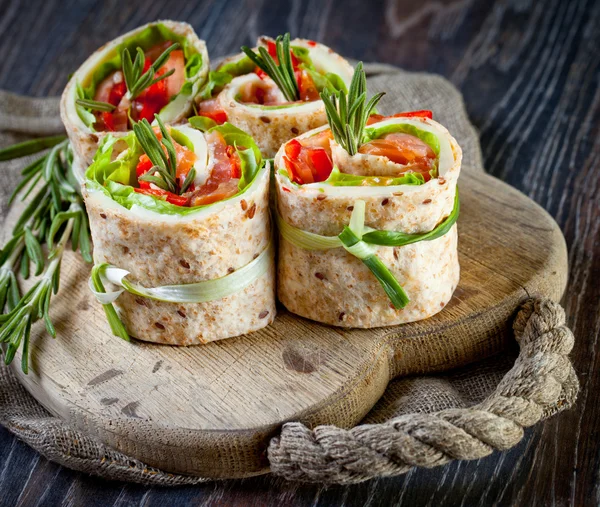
347 114
54 215
29 147
165 164
137 82
281 73
95 105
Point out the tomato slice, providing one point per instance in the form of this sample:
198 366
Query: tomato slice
117 92
108 121
211 109
234 158
292 149
299 172
178 200
306 87
260 73
219 117
321 163
320 140
307 164
423 113
144 165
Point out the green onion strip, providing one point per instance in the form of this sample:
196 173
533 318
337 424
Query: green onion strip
199 292
357 239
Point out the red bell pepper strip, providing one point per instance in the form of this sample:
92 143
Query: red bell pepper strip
178 200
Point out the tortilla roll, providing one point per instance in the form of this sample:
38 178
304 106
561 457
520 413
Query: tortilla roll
84 126
161 244
334 287
272 125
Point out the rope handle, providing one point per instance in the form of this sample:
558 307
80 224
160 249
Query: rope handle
541 383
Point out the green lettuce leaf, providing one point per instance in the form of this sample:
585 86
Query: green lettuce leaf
202 123
122 169
239 67
303 54
249 166
116 178
216 81
237 137
339 179
330 81
87 117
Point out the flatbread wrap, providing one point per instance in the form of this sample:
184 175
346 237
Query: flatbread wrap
369 239
158 68
182 237
275 99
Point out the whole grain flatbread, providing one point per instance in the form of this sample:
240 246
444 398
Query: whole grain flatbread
166 249
334 287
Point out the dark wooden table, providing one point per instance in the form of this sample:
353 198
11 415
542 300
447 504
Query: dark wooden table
529 72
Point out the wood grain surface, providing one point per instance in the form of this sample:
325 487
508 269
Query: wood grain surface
529 72
221 403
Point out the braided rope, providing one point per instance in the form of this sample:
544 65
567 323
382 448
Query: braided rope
541 382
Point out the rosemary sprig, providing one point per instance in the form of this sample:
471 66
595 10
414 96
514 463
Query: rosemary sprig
95 105
281 73
135 79
55 211
163 156
29 147
347 114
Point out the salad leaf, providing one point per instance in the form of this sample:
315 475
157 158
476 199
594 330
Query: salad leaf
193 65
249 167
235 136
216 81
330 81
202 123
116 178
122 169
339 179
303 54
239 67
87 117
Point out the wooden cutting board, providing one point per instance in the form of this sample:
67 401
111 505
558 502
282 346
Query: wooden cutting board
210 410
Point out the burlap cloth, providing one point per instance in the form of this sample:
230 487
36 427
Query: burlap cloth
419 421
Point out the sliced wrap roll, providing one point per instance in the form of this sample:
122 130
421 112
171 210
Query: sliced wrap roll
218 255
321 280
279 120
100 78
